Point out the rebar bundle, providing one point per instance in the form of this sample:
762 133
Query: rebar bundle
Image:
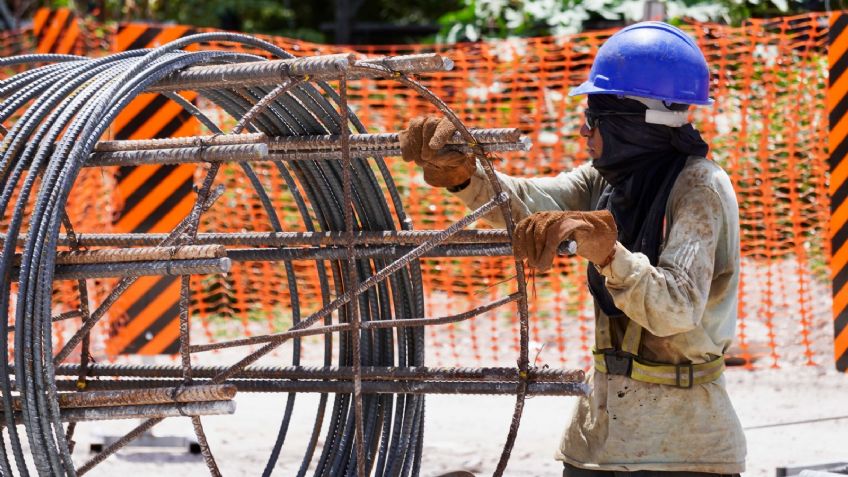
364 250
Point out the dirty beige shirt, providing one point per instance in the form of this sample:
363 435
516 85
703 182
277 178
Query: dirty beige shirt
686 304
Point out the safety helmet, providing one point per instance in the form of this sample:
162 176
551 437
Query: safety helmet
651 60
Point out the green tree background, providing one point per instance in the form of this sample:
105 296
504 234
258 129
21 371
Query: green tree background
390 21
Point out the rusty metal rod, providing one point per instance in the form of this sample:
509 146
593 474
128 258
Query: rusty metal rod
297 143
191 155
139 254
257 147
257 73
298 333
364 153
144 411
68 315
373 373
183 155
179 394
375 251
137 397
368 387
205 266
417 63
321 67
348 327
181 142
384 140
279 239
194 155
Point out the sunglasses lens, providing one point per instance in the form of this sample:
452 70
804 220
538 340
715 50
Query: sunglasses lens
591 120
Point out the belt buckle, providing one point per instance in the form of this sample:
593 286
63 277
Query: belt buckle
618 364
691 374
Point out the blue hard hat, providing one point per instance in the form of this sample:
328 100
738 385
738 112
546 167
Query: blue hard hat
650 60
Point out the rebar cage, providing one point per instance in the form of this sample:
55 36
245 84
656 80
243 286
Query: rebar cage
293 114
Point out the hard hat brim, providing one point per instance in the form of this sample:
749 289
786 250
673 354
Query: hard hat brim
588 87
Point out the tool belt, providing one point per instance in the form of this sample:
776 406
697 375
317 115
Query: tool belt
626 361
679 375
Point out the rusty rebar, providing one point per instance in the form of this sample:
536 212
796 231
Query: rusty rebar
68 315
374 141
352 273
372 373
139 254
321 67
281 239
204 266
417 63
144 411
373 251
380 141
239 75
181 142
294 149
183 155
365 153
567 388
137 397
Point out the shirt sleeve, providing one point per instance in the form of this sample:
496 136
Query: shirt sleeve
566 191
670 298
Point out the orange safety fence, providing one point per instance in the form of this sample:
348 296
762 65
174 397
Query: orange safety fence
768 128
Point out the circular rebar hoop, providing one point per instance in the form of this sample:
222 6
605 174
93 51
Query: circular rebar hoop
376 421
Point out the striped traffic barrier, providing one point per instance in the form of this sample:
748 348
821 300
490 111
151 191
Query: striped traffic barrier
837 106
155 198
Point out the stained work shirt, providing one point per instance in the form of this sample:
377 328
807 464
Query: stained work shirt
686 304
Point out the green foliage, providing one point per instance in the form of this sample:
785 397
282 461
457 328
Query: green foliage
312 21
255 16
484 19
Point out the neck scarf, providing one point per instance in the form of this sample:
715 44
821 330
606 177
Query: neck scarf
640 163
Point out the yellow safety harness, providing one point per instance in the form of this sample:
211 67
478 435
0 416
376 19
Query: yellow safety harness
626 361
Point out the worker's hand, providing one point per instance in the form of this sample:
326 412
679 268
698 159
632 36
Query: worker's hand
538 236
421 142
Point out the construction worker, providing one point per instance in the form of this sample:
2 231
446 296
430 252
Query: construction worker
660 225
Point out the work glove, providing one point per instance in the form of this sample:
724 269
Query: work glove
538 236
420 143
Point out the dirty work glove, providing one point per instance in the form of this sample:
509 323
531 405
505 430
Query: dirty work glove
538 236
420 143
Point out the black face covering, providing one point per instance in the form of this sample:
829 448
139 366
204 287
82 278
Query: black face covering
640 163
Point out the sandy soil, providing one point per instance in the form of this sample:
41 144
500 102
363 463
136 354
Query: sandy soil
465 432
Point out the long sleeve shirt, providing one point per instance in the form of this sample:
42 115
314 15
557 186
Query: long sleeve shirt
686 304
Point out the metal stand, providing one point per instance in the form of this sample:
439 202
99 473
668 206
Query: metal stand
147 438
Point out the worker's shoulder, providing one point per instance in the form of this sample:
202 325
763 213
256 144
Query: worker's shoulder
702 172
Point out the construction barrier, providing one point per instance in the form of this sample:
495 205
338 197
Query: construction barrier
767 128
837 106
151 198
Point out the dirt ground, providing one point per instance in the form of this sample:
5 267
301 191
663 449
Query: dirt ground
796 415
467 432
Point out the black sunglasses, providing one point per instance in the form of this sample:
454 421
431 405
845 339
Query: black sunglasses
594 116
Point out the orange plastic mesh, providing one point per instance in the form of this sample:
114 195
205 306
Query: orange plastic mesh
767 128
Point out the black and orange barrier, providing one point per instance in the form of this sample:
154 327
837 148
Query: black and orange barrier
837 107
153 198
